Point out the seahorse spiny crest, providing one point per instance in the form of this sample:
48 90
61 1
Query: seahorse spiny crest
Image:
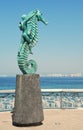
29 38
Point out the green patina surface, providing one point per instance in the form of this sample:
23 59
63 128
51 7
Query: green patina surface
28 26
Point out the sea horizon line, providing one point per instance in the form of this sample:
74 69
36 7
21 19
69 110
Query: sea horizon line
51 75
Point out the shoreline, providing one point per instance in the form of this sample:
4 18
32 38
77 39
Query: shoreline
46 90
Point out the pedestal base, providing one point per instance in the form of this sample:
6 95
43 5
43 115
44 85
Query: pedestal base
28 100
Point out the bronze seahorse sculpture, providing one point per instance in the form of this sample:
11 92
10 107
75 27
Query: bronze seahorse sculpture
29 38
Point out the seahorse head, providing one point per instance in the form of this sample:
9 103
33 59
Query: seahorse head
40 17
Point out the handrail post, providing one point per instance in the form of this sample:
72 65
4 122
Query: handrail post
61 106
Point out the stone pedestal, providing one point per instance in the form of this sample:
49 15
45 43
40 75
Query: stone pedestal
28 100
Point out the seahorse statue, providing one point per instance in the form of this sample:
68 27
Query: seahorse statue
29 38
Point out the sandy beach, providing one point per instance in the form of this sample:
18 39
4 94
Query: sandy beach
71 119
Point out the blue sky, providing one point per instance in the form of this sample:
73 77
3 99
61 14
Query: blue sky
60 45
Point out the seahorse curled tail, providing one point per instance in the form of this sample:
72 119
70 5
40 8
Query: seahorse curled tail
25 66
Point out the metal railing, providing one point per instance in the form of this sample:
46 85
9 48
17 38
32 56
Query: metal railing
51 99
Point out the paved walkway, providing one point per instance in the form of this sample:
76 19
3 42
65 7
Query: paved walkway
71 119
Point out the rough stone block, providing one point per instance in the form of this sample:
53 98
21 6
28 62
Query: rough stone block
28 100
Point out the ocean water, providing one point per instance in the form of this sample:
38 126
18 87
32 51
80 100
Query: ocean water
8 83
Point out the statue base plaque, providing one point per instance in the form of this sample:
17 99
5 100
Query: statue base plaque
28 101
